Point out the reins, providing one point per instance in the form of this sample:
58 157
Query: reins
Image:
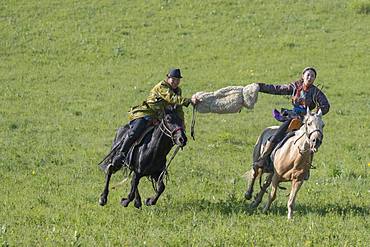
166 131
170 134
164 172
192 131
308 135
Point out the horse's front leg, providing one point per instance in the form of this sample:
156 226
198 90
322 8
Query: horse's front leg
296 185
104 196
160 188
264 187
256 173
134 184
137 202
272 195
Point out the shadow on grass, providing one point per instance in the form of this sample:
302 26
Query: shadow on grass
234 206
322 210
227 207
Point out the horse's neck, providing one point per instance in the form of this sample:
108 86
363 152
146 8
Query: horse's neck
161 142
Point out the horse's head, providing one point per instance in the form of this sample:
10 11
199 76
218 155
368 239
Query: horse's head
174 127
314 125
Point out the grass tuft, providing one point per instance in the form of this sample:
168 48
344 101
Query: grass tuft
361 7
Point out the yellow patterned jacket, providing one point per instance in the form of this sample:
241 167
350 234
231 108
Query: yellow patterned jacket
161 96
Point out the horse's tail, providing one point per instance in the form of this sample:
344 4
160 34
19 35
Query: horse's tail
117 141
262 139
257 148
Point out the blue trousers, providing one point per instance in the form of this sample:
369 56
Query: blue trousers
281 132
137 127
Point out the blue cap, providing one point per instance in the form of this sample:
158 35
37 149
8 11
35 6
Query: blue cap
174 73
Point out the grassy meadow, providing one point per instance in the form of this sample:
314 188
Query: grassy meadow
70 71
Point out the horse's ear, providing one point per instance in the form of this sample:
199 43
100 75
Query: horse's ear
319 113
170 108
308 112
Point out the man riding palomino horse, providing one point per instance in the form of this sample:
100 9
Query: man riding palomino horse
304 95
166 93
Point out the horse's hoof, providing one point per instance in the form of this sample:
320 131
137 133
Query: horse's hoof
125 202
148 202
248 196
254 205
137 204
102 201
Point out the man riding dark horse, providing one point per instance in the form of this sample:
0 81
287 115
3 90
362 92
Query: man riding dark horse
166 93
304 94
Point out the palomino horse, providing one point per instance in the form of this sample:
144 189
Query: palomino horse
291 162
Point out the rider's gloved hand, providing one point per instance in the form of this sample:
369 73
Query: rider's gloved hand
194 100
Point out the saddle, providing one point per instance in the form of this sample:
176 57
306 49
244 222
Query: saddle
130 153
285 115
118 140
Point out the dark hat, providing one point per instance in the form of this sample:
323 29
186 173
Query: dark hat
309 68
174 73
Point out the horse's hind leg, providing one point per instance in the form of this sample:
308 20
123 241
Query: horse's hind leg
160 188
134 183
264 187
296 185
256 173
104 196
272 195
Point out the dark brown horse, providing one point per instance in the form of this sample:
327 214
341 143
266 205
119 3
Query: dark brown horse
148 158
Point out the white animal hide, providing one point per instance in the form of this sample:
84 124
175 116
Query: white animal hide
227 100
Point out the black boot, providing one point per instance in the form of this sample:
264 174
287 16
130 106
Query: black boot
119 159
307 175
116 164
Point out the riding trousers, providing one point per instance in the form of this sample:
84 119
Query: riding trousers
281 132
137 127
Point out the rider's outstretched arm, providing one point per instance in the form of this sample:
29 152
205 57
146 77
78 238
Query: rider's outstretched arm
285 89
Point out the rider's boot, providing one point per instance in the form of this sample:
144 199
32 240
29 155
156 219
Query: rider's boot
307 175
116 164
262 160
119 159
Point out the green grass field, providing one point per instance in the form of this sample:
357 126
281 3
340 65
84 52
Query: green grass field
70 70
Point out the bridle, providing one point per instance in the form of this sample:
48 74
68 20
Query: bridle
308 136
170 133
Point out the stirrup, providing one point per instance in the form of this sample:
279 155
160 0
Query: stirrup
112 169
118 165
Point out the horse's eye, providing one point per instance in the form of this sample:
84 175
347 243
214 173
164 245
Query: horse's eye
168 118
309 123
